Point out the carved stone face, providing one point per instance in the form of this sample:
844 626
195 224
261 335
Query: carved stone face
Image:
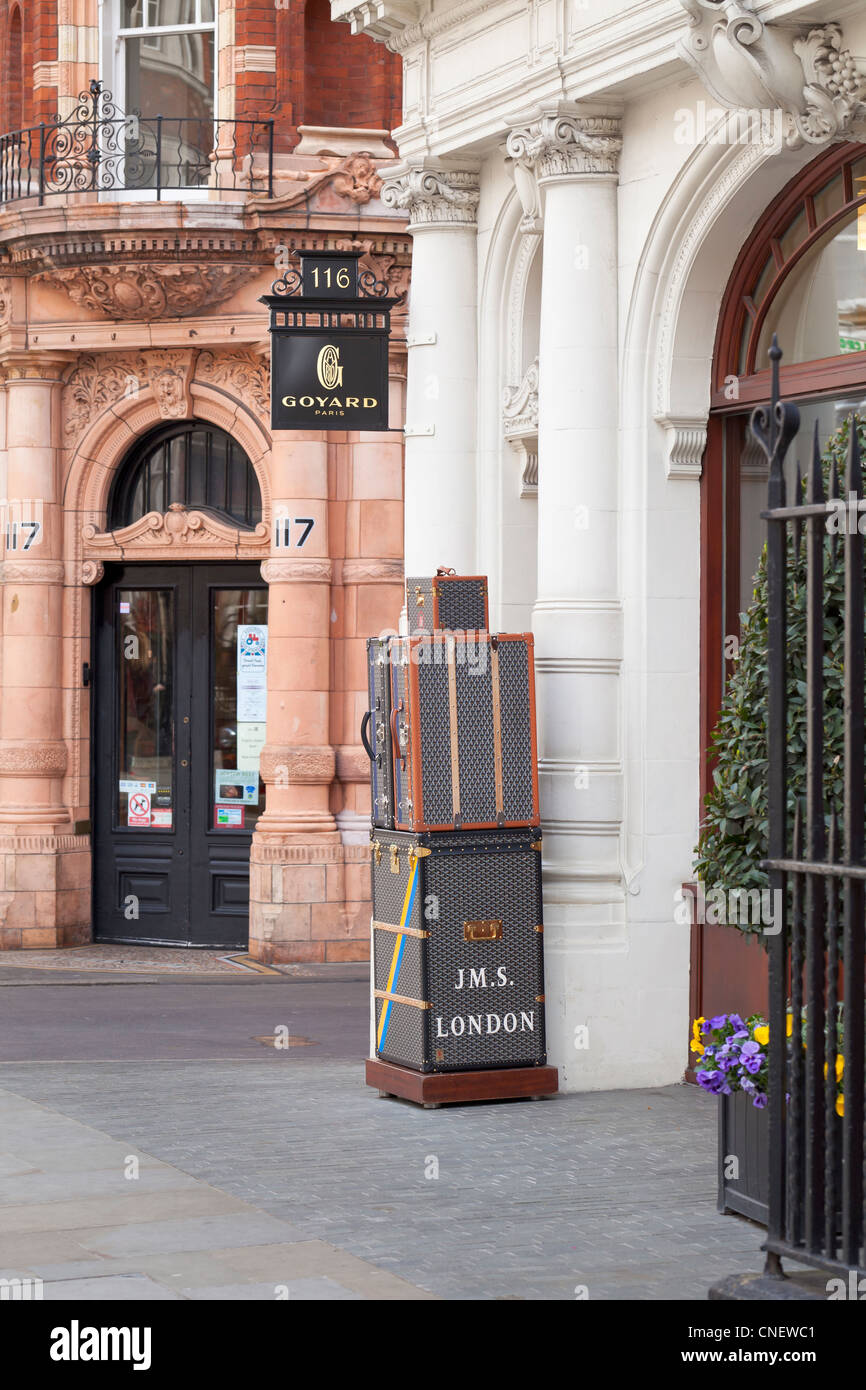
169 392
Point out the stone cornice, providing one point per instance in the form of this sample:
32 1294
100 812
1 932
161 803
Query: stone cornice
562 142
433 195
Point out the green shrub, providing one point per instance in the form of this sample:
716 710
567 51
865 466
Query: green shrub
733 838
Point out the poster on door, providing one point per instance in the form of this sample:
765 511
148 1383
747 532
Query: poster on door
252 667
138 812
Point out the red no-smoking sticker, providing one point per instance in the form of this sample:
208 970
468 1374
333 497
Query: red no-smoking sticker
139 809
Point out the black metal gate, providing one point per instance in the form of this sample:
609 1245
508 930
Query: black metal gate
817 866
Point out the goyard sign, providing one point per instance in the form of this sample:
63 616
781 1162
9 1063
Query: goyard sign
329 345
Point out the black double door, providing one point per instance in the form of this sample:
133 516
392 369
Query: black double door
178 725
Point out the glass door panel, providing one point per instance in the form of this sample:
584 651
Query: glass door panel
239 653
146 629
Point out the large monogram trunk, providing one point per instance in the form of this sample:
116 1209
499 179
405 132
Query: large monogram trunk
458 950
456 602
463 731
376 732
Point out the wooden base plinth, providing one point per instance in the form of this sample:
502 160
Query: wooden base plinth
454 1087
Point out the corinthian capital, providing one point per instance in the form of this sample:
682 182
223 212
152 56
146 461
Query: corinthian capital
560 143
433 196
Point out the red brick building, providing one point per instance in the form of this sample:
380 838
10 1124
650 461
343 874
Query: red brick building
152 786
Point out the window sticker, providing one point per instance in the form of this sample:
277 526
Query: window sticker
129 786
252 671
161 819
228 815
138 810
236 786
251 740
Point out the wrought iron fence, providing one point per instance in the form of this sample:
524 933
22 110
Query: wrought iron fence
816 1103
98 149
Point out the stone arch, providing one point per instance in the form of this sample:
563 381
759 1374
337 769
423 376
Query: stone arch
108 438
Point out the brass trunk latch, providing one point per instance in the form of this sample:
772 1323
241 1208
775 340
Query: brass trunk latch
489 930
395 859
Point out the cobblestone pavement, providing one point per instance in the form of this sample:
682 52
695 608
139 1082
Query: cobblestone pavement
284 1166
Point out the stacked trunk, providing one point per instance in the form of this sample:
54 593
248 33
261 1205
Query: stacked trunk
456 852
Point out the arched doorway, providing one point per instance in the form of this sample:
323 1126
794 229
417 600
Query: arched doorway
180 659
802 276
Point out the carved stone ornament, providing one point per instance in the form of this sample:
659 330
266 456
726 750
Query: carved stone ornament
169 375
150 291
560 143
95 384
33 759
803 70
357 179
5 299
520 422
297 571
152 535
434 196
246 374
283 765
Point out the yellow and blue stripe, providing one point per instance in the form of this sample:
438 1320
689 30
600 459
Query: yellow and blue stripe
397 956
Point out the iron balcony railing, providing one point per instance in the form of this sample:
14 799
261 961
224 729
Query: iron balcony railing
99 150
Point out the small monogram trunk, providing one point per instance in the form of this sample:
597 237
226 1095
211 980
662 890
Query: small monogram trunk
463 731
454 602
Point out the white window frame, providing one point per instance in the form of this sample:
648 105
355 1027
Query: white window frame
112 39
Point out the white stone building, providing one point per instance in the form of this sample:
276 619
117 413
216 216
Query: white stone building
613 206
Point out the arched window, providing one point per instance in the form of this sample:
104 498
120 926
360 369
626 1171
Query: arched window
196 465
801 275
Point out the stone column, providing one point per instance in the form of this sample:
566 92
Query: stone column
441 402
41 906
577 618
296 838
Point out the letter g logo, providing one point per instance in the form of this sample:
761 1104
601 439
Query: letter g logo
328 368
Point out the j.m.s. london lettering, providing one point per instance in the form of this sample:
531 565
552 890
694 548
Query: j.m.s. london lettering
484 977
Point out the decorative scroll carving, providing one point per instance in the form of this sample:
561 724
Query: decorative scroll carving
285 764
5 299
802 70
686 443
142 292
152 534
247 374
563 142
434 196
520 422
92 572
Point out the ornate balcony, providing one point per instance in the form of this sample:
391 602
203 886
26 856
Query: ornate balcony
99 150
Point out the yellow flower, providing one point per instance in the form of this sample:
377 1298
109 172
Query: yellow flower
840 1105
697 1026
840 1066
790 1024
762 1034
698 1048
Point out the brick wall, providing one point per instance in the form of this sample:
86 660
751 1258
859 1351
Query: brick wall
292 63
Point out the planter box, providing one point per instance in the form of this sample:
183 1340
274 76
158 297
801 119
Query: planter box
744 1132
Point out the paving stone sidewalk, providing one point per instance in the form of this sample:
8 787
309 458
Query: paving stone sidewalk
258 1175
